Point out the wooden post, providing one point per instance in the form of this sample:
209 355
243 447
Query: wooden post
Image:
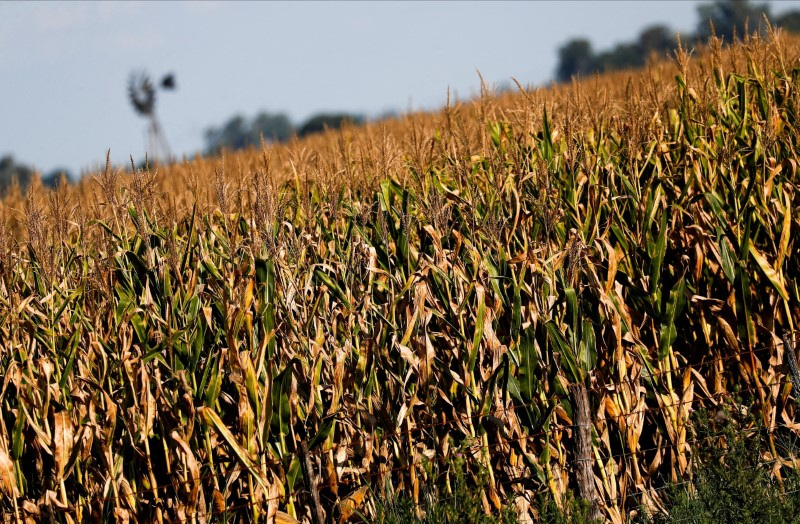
790 356
311 480
583 451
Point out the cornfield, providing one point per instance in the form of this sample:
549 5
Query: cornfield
408 297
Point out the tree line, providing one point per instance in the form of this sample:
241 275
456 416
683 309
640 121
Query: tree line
239 132
12 172
729 18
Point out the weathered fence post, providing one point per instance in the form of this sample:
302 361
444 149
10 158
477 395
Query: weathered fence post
311 479
794 371
583 441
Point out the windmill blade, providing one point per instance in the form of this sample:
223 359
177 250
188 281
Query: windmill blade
141 93
168 81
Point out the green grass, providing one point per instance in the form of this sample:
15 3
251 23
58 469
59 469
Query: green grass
461 503
733 483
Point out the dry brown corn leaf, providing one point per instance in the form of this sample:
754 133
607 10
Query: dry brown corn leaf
351 503
8 482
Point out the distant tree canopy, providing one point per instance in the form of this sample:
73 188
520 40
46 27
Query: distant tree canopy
275 128
790 21
239 133
11 171
323 121
576 57
729 18
53 178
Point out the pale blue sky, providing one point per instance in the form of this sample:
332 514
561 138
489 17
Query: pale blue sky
64 66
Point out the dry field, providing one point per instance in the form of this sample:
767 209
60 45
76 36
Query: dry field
408 297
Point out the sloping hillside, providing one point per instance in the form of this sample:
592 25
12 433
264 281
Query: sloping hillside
409 297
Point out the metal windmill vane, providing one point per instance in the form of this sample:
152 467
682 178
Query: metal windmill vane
142 95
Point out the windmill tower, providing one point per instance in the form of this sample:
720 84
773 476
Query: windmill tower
142 95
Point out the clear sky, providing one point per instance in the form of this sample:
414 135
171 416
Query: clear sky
64 66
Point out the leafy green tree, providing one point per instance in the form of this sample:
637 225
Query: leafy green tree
53 178
10 171
273 127
575 58
239 133
730 17
621 57
790 21
322 121
657 39
232 135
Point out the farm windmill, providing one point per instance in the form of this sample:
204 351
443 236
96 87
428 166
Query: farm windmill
142 95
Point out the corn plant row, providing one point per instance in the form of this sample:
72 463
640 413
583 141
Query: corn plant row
411 298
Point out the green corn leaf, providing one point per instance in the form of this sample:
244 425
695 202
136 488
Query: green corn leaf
294 473
588 351
573 370
140 327
212 270
479 327
212 420
657 258
669 331
728 259
73 346
333 286
214 386
773 276
323 434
